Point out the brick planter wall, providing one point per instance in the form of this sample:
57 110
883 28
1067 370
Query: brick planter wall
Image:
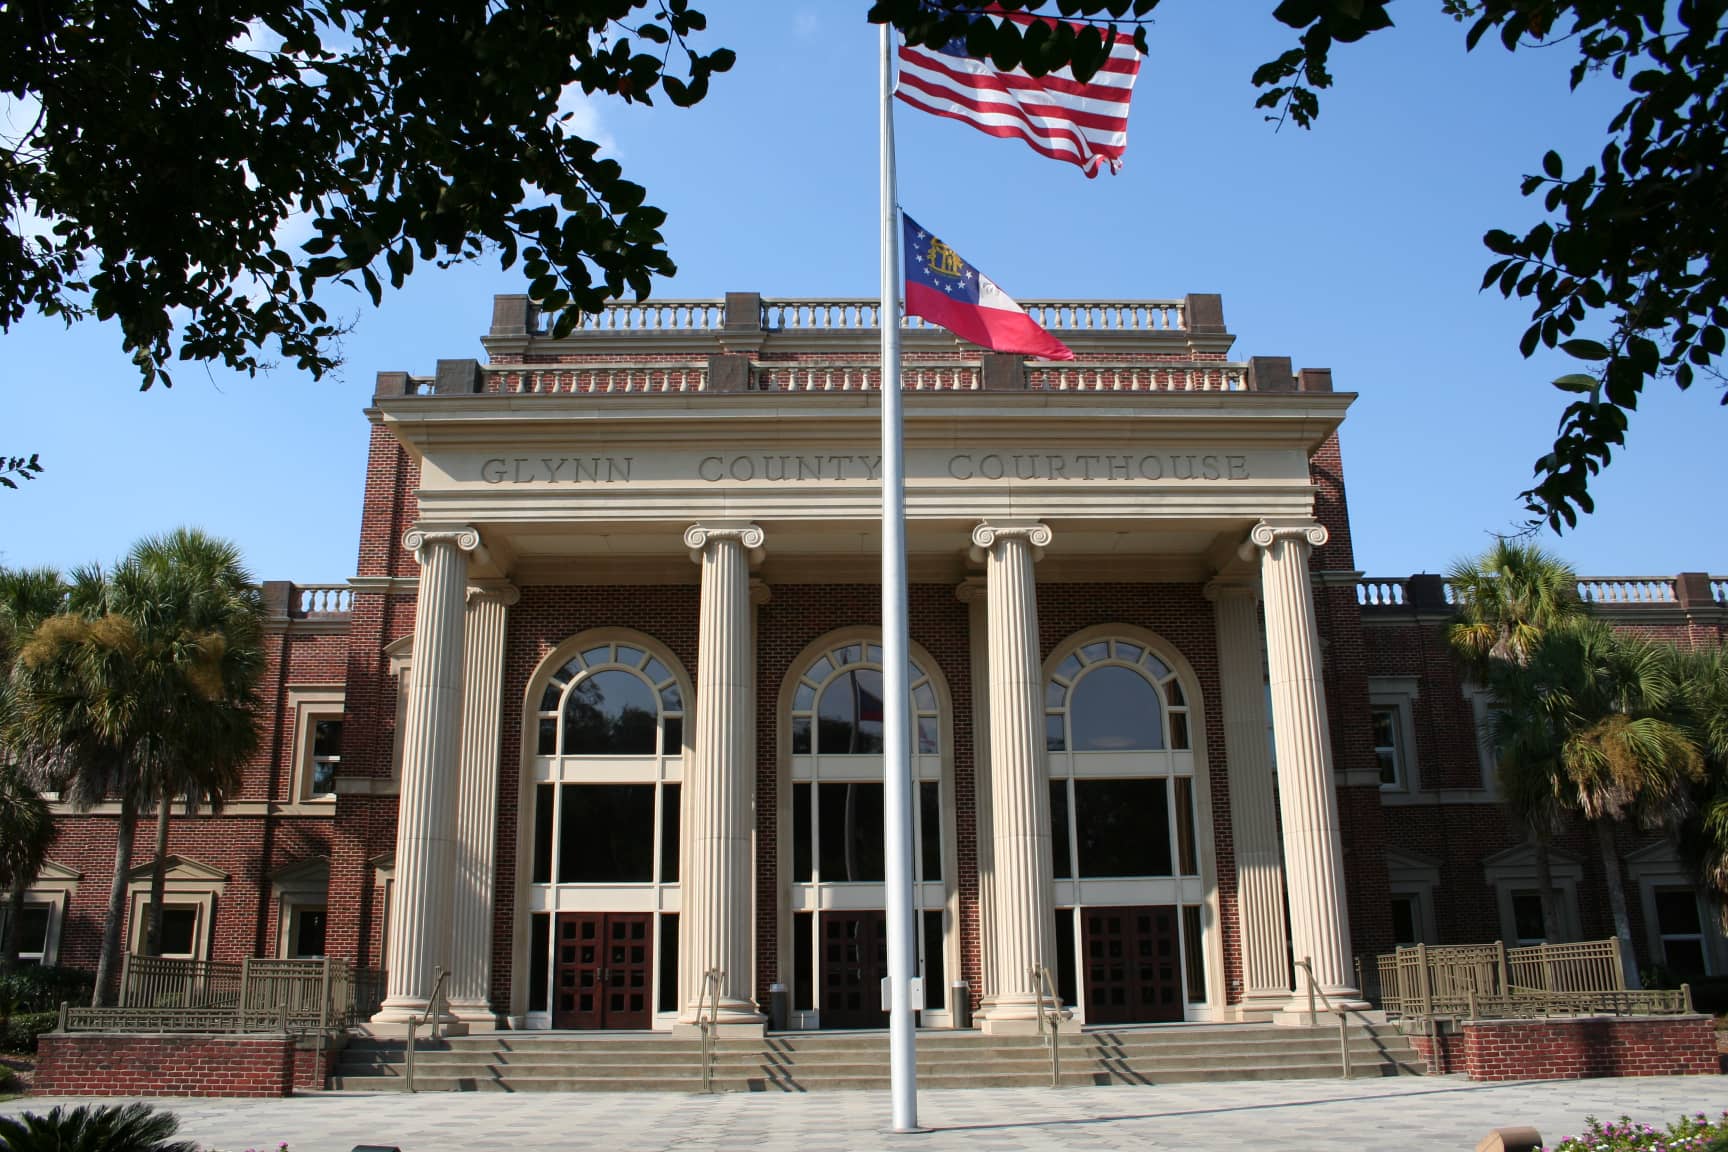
107 1064
1589 1047
1442 1053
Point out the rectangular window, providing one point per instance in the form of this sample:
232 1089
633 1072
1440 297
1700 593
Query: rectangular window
1061 850
670 830
803 961
1682 932
1123 827
1388 747
1193 954
935 979
606 834
1405 922
850 833
306 931
179 929
802 864
326 757
543 804
32 930
1187 851
930 833
539 960
1527 916
668 961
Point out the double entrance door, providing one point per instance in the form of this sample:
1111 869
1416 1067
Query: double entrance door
603 970
853 961
1130 968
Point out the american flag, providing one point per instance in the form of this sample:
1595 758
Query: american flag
1084 124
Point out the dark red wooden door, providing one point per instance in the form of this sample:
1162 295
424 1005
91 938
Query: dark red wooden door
603 970
854 960
1132 974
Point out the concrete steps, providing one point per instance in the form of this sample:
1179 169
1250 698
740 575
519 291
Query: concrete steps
828 1061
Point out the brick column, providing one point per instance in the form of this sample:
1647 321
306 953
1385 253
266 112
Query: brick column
716 927
1021 899
470 980
426 810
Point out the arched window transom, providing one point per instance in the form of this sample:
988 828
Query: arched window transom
611 700
837 705
1115 696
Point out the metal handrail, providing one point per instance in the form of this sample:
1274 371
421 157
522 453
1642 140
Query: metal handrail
709 1023
1307 966
1046 992
431 1014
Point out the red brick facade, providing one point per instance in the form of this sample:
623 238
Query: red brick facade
1575 1049
99 1064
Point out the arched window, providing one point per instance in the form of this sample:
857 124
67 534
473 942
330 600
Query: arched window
835 725
605 820
611 700
1114 696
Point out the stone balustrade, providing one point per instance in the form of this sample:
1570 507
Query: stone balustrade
861 313
1608 594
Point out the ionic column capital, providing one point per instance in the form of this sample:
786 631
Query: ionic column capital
972 589
699 537
989 533
1268 532
464 536
1224 588
494 592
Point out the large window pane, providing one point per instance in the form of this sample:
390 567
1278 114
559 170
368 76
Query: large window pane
1065 986
1187 849
543 833
930 830
803 961
850 823
849 715
1193 958
1061 855
1123 827
179 927
801 838
611 713
1115 709
539 959
668 962
670 829
606 834
935 971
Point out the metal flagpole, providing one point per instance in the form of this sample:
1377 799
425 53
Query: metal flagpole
896 739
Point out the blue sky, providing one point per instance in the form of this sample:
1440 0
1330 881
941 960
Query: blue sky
1355 246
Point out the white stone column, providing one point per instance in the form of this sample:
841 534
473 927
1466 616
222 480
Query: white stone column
716 927
1308 796
426 807
1022 922
974 592
1253 803
471 922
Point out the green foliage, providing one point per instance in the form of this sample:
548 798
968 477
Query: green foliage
93 1128
15 468
39 988
172 142
1695 1133
1039 46
1630 242
19 1033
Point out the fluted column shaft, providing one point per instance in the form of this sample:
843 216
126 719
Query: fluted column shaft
426 807
1022 924
1253 804
477 803
718 873
1313 852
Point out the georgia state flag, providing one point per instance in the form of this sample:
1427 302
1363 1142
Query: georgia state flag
944 289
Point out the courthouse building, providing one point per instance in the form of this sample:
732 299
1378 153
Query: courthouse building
599 714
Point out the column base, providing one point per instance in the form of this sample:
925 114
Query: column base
1260 1007
477 1015
728 1014
396 1011
1018 1015
1296 1014
725 1029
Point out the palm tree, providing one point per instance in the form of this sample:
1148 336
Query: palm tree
1703 836
1506 600
192 593
143 690
1590 708
26 825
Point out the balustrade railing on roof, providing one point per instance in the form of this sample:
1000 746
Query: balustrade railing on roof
1380 592
1074 376
637 377
862 313
323 600
1620 590
1719 589
1609 592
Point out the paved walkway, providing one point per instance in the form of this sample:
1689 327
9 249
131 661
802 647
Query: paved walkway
1414 1113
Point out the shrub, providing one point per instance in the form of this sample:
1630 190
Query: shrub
1696 1133
93 1128
20 1032
36 988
